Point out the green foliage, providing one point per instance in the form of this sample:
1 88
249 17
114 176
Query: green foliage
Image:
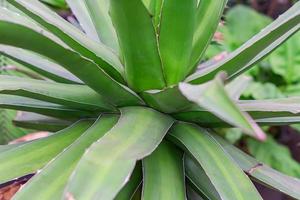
275 77
135 67
275 155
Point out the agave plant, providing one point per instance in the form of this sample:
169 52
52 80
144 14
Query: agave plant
134 119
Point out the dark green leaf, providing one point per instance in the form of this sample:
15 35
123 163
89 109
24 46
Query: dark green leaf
138 44
228 179
176 30
255 49
208 17
106 167
32 156
50 181
164 174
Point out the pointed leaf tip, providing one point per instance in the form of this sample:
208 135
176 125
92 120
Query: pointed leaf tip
213 97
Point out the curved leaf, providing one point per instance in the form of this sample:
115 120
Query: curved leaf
97 18
32 156
76 96
176 30
207 20
108 164
138 44
41 107
22 37
228 179
262 173
40 122
199 180
39 64
213 97
164 174
50 181
255 49
73 37
80 10
129 190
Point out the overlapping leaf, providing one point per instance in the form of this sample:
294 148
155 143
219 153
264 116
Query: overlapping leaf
228 179
107 166
29 157
213 97
49 182
255 49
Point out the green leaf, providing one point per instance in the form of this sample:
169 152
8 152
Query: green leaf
163 100
155 9
228 179
176 30
129 190
164 174
208 17
41 107
192 195
285 61
198 179
265 112
236 87
95 15
213 97
259 91
50 181
56 3
32 156
279 158
39 64
40 122
81 11
262 173
242 23
76 96
108 164
8 130
255 49
73 37
93 76
271 106
138 43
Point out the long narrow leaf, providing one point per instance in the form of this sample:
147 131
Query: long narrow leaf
261 172
76 96
255 49
164 174
80 10
208 17
132 186
176 32
39 122
39 64
22 37
228 179
41 107
163 100
138 44
98 13
32 156
199 180
108 164
73 37
50 181
213 97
